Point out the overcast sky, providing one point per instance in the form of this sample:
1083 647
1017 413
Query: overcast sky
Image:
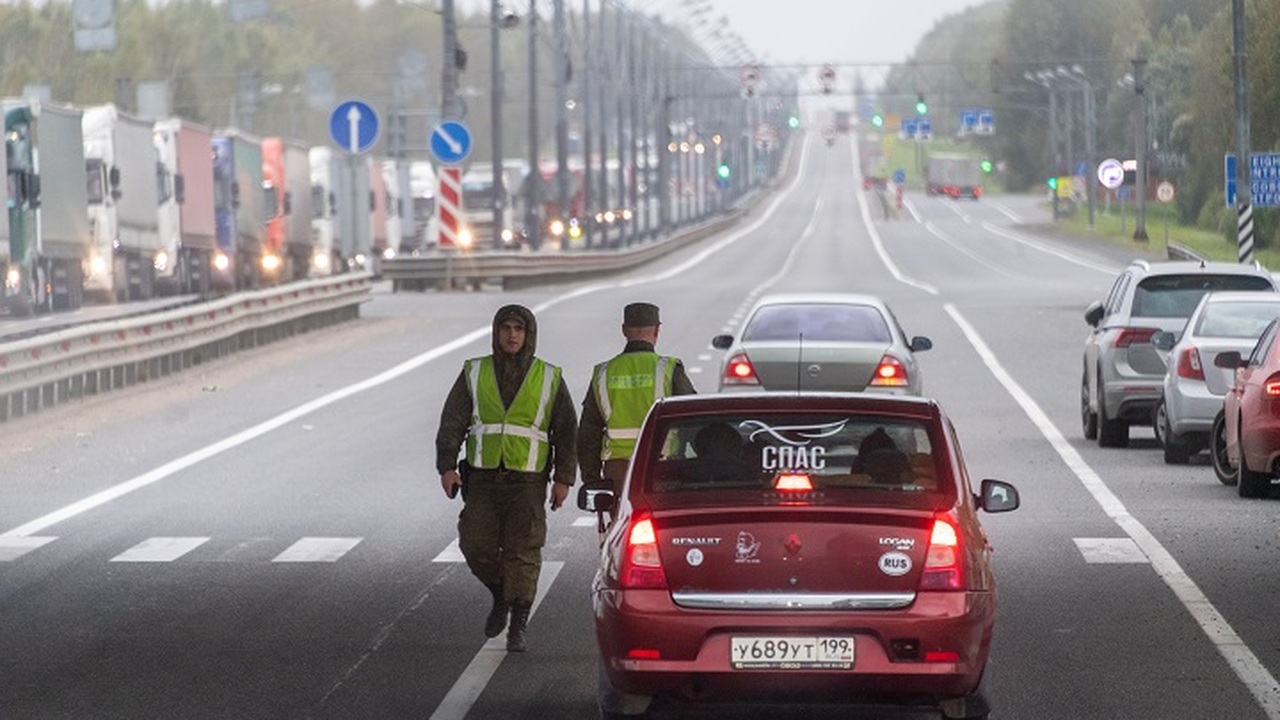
828 31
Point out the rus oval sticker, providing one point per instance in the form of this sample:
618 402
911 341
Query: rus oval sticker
895 564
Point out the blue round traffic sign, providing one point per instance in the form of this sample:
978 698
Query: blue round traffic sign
451 142
353 125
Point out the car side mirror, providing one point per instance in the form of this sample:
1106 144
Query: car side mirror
722 342
596 496
921 343
1164 340
998 496
1093 313
1229 360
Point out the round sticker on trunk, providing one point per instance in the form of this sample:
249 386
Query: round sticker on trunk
895 564
694 556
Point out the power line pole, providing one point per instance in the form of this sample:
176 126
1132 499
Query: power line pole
1244 173
1140 203
495 123
449 109
533 206
561 66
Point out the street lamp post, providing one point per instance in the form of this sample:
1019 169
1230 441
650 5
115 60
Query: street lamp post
1090 130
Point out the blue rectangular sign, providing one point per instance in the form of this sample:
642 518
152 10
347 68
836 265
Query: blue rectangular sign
1264 178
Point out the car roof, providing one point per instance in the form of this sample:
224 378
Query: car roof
1241 296
819 298
817 402
1184 267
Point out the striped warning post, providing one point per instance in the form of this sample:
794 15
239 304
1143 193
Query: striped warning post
449 206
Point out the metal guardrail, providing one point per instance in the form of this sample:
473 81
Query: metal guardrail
45 370
447 269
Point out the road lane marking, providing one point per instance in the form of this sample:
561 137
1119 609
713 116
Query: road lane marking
865 209
466 690
451 554
1024 240
1239 657
317 549
160 549
482 333
1104 551
12 548
589 521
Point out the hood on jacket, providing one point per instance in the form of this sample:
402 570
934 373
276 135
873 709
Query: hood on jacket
525 315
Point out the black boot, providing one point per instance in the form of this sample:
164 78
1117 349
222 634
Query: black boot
497 620
519 620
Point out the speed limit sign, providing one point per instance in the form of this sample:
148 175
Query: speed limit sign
1165 192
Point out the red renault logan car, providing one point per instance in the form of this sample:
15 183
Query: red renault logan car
804 548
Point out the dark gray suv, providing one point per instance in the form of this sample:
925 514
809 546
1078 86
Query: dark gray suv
1123 373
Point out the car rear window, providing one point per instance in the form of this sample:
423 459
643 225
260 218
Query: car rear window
1176 296
835 452
818 322
1236 319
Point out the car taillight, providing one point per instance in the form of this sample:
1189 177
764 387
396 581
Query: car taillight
641 566
738 371
942 569
889 373
1134 336
1272 386
1189 365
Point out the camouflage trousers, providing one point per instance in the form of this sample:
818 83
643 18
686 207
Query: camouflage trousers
502 529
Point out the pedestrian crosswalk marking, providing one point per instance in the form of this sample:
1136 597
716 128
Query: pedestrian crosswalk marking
12 548
317 549
160 549
585 522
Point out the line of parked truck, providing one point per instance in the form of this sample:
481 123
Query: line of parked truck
103 206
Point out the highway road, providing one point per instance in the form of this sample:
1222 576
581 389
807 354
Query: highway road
265 536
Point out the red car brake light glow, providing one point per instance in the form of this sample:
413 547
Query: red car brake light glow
738 371
889 373
641 564
1134 336
793 483
1189 365
1272 386
942 569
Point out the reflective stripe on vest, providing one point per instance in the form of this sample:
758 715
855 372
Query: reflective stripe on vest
625 388
514 437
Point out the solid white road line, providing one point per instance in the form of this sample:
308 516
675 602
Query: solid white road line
464 693
1246 665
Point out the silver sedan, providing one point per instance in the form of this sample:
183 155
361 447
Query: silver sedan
1193 386
821 342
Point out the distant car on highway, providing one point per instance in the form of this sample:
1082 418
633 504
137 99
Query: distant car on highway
1123 375
1193 386
805 548
821 342
1250 438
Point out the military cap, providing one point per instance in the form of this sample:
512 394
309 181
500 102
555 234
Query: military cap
640 314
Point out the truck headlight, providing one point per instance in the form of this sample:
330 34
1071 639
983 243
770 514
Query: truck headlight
270 262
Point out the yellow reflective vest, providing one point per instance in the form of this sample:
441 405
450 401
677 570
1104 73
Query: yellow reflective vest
512 437
625 388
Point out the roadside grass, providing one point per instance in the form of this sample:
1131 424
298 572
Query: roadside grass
1117 224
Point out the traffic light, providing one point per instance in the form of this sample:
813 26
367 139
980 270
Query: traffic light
877 120
922 107
793 122
1052 183
986 165
723 171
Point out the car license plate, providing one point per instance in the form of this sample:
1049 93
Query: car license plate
791 653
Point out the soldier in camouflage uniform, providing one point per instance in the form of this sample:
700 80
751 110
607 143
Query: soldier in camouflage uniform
514 414
621 392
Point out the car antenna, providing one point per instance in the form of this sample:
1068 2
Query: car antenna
799 363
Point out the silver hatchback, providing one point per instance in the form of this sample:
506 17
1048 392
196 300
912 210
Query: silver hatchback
1123 374
1193 386
817 342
